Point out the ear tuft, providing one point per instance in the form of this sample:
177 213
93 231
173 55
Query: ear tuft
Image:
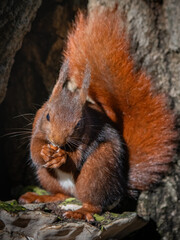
63 74
85 84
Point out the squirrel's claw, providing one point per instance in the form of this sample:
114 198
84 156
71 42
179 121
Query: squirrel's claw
52 156
46 152
55 163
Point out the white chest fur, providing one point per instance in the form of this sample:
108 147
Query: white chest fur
66 181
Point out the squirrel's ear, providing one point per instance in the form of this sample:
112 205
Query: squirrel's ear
63 74
85 84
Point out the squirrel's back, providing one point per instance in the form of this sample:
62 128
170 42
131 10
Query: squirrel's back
126 95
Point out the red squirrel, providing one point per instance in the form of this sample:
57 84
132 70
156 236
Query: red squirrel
104 130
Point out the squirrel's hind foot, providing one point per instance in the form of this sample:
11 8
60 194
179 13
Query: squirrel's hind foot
86 213
31 197
79 214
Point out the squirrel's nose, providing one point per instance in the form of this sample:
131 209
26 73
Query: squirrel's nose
57 142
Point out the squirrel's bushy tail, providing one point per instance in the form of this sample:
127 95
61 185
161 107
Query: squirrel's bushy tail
127 96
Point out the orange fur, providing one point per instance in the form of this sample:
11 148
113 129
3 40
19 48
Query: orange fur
126 96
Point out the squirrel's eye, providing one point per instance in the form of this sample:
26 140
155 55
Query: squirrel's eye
78 124
48 117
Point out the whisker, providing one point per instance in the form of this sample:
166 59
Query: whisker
31 115
24 114
76 140
14 134
36 104
26 137
73 143
69 146
28 124
22 128
24 143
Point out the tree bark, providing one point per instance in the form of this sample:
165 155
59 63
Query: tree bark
15 21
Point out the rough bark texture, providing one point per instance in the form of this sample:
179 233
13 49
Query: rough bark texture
46 222
15 20
154 29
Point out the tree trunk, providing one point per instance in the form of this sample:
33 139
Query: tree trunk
15 20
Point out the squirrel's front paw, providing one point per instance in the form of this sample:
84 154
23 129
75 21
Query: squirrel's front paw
53 156
47 152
